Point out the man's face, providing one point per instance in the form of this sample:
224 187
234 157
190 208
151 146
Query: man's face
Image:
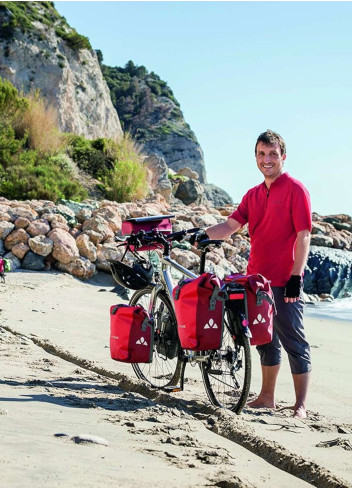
269 160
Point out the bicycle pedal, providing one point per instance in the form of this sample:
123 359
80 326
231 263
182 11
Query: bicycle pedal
173 388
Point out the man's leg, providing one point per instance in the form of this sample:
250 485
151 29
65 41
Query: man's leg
301 383
266 396
291 333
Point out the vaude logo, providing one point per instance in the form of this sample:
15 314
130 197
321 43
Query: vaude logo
182 326
142 341
115 337
259 319
211 325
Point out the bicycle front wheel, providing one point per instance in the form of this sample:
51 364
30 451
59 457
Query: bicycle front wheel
165 368
227 372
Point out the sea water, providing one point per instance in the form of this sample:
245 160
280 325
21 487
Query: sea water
340 309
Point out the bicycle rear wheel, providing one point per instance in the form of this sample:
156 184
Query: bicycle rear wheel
227 373
165 368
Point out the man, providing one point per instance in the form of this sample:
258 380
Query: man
278 214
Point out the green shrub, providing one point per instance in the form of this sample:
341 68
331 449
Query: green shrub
12 105
9 145
31 176
74 40
87 157
127 181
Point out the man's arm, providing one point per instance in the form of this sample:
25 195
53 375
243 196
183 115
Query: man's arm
224 229
293 286
301 252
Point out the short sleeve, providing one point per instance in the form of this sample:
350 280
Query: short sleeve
241 213
301 209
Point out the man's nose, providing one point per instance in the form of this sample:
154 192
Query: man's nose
267 158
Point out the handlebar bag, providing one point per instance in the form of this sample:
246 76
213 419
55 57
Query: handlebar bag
199 308
131 334
260 306
160 223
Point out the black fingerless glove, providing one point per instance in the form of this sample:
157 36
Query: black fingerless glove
198 237
294 287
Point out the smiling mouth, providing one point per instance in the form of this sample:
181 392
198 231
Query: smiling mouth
268 166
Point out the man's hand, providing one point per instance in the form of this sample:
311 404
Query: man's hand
293 289
198 237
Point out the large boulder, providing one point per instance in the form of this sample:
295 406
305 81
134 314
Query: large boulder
216 195
190 192
41 245
80 267
64 249
32 261
328 271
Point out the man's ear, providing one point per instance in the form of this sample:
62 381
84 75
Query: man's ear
284 157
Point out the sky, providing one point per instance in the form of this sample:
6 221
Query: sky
239 68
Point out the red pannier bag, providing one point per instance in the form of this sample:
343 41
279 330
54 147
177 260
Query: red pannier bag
199 309
131 334
260 306
160 223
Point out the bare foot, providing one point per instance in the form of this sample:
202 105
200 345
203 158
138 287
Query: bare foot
261 403
300 412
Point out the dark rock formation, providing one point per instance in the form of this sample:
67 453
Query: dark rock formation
216 196
328 271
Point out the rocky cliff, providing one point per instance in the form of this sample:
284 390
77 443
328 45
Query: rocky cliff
38 50
150 112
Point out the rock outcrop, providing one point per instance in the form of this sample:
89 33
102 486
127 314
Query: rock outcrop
44 53
328 271
150 112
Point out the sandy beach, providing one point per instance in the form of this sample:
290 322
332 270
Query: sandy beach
72 417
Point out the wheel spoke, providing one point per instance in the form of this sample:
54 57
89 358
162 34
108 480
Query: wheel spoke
164 370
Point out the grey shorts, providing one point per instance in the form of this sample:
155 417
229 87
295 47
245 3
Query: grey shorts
288 332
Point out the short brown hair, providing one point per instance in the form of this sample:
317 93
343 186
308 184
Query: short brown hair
271 137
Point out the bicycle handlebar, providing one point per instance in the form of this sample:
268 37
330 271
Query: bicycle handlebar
155 236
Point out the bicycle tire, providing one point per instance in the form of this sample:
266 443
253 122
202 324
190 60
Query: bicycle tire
227 372
163 371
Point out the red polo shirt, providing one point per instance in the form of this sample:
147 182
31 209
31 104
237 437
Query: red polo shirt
274 217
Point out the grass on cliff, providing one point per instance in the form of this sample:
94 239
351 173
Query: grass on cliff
22 15
146 105
39 162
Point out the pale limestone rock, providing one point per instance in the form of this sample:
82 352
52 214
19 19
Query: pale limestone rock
99 225
108 251
22 222
20 249
111 216
17 236
187 172
5 229
4 216
186 258
65 249
41 245
79 267
24 210
38 227
86 247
